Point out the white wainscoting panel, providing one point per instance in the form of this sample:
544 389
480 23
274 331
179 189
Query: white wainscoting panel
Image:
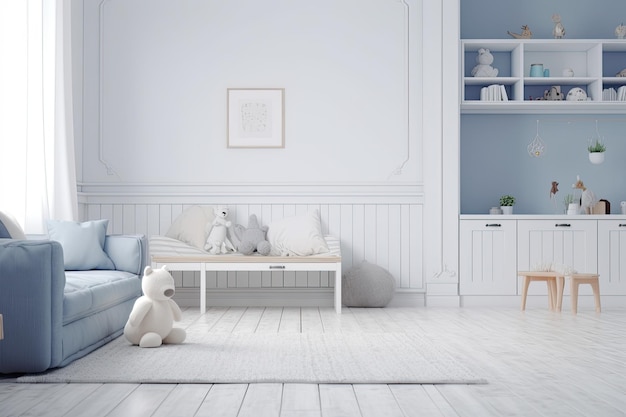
389 235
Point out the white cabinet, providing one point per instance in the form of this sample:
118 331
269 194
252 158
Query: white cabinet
563 241
593 62
487 257
612 256
493 249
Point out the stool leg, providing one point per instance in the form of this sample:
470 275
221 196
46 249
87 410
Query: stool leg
525 285
560 284
574 295
596 294
552 299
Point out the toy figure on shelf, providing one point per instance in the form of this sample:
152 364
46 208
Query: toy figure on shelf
526 33
620 31
483 67
553 190
559 31
588 198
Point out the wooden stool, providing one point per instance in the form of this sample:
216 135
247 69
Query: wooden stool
575 281
548 277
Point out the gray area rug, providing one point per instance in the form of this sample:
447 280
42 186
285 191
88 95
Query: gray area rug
372 358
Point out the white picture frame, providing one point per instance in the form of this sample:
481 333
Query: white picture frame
255 117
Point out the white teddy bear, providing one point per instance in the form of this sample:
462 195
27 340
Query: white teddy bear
217 241
150 323
484 59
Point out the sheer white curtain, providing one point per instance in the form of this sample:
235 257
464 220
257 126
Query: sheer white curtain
37 164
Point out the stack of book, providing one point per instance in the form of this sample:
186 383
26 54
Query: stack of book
494 92
609 94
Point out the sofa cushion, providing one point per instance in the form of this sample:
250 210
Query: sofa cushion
83 243
10 228
89 292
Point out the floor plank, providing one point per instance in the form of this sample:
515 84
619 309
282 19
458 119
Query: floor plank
223 401
262 400
300 400
338 400
183 401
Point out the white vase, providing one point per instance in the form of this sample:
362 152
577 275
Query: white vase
573 208
507 209
596 157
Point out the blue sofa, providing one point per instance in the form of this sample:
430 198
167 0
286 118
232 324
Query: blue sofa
53 316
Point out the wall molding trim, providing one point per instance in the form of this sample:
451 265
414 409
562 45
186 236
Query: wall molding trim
384 192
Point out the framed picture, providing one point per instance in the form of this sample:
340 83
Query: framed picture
256 117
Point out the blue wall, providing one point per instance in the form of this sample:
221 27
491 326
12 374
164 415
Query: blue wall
494 159
582 19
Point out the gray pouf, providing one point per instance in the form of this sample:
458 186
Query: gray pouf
367 285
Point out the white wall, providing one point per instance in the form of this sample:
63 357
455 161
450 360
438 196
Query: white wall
360 103
156 74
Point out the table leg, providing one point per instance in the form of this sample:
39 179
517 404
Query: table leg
338 289
202 288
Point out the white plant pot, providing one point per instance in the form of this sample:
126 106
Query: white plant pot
596 157
507 209
573 209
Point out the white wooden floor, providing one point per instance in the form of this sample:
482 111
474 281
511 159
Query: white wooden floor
538 363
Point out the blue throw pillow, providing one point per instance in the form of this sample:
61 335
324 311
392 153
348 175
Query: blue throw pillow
83 244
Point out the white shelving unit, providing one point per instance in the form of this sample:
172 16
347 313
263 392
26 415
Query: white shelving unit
594 62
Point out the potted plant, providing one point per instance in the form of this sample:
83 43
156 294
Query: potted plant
506 204
596 151
570 206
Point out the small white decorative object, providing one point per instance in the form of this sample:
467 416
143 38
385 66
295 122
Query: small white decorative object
572 209
526 33
559 31
568 72
588 198
576 94
620 31
484 59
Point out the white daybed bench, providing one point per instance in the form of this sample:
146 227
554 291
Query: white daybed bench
179 256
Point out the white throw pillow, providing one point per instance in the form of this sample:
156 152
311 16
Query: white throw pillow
12 226
297 236
191 226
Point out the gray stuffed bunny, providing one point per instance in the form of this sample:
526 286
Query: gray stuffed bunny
251 239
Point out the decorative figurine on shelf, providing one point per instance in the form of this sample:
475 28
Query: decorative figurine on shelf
622 73
588 198
553 94
526 33
484 59
620 31
553 190
559 31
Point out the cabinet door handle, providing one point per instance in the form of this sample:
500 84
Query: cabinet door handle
493 225
562 225
622 225
277 266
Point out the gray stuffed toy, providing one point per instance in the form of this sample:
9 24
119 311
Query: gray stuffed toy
251 239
